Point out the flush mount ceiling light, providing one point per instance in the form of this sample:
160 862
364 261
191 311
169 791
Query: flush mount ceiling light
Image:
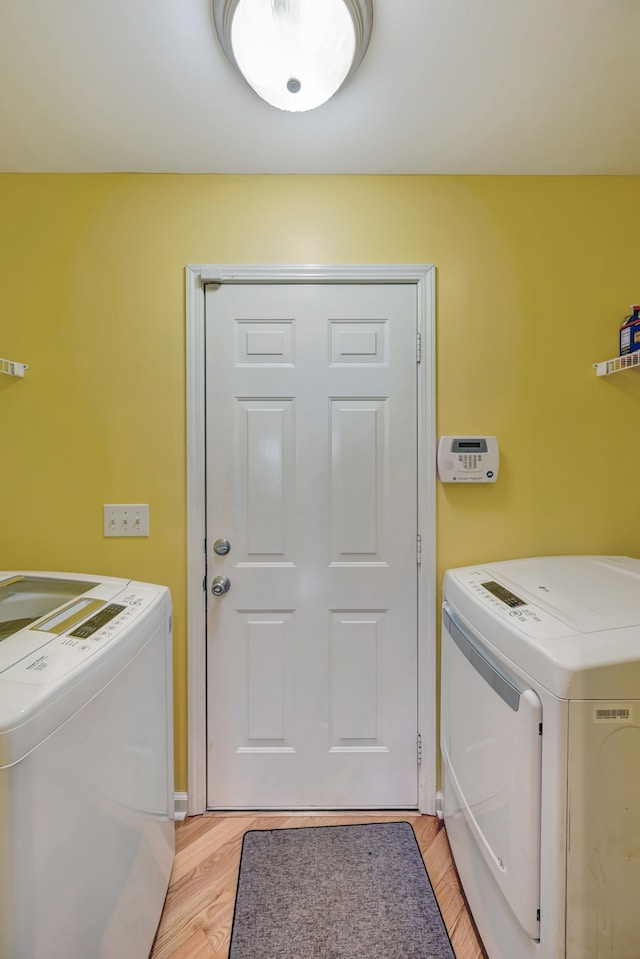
294 53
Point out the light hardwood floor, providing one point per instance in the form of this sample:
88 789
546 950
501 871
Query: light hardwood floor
198 913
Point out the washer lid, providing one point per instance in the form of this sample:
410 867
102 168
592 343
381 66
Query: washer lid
26 598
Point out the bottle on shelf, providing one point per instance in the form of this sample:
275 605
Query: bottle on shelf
630 332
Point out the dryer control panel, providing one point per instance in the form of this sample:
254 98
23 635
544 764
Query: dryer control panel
520 613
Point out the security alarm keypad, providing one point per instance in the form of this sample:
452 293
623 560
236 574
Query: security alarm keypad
468 459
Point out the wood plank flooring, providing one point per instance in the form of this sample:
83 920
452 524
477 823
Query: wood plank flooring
198 912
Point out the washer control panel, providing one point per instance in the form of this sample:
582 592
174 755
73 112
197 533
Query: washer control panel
67 650
93 624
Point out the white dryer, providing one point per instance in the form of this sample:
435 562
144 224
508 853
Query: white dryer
540 741
86 765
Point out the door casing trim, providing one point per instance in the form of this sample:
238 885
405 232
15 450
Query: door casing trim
197 276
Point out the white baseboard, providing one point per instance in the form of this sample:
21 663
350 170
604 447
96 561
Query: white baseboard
180 800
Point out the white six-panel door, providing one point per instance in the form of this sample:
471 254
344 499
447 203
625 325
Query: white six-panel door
311 412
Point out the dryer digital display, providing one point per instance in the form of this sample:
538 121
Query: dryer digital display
502 593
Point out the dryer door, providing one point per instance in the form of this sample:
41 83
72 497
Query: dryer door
491 751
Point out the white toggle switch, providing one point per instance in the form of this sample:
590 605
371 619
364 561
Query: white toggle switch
126 519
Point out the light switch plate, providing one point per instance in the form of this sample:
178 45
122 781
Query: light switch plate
126 519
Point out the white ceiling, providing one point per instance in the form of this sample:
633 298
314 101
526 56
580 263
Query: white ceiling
447 86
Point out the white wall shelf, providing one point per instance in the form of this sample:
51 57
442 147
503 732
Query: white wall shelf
11 368
617 364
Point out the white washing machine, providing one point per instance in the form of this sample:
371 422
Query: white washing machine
540 740
86 765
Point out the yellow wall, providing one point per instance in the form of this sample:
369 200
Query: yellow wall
533 277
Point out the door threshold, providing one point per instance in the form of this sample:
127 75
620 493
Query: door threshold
316 813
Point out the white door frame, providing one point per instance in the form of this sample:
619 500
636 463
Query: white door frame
197 276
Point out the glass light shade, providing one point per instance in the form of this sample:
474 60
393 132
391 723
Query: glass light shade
294 53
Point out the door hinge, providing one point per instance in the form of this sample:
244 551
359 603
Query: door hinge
418 549
419 749
418 347
539 729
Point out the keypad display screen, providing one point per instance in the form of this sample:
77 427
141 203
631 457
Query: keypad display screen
93 624
469 446
501 593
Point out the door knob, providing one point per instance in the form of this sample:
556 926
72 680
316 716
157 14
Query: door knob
220 585
222 547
